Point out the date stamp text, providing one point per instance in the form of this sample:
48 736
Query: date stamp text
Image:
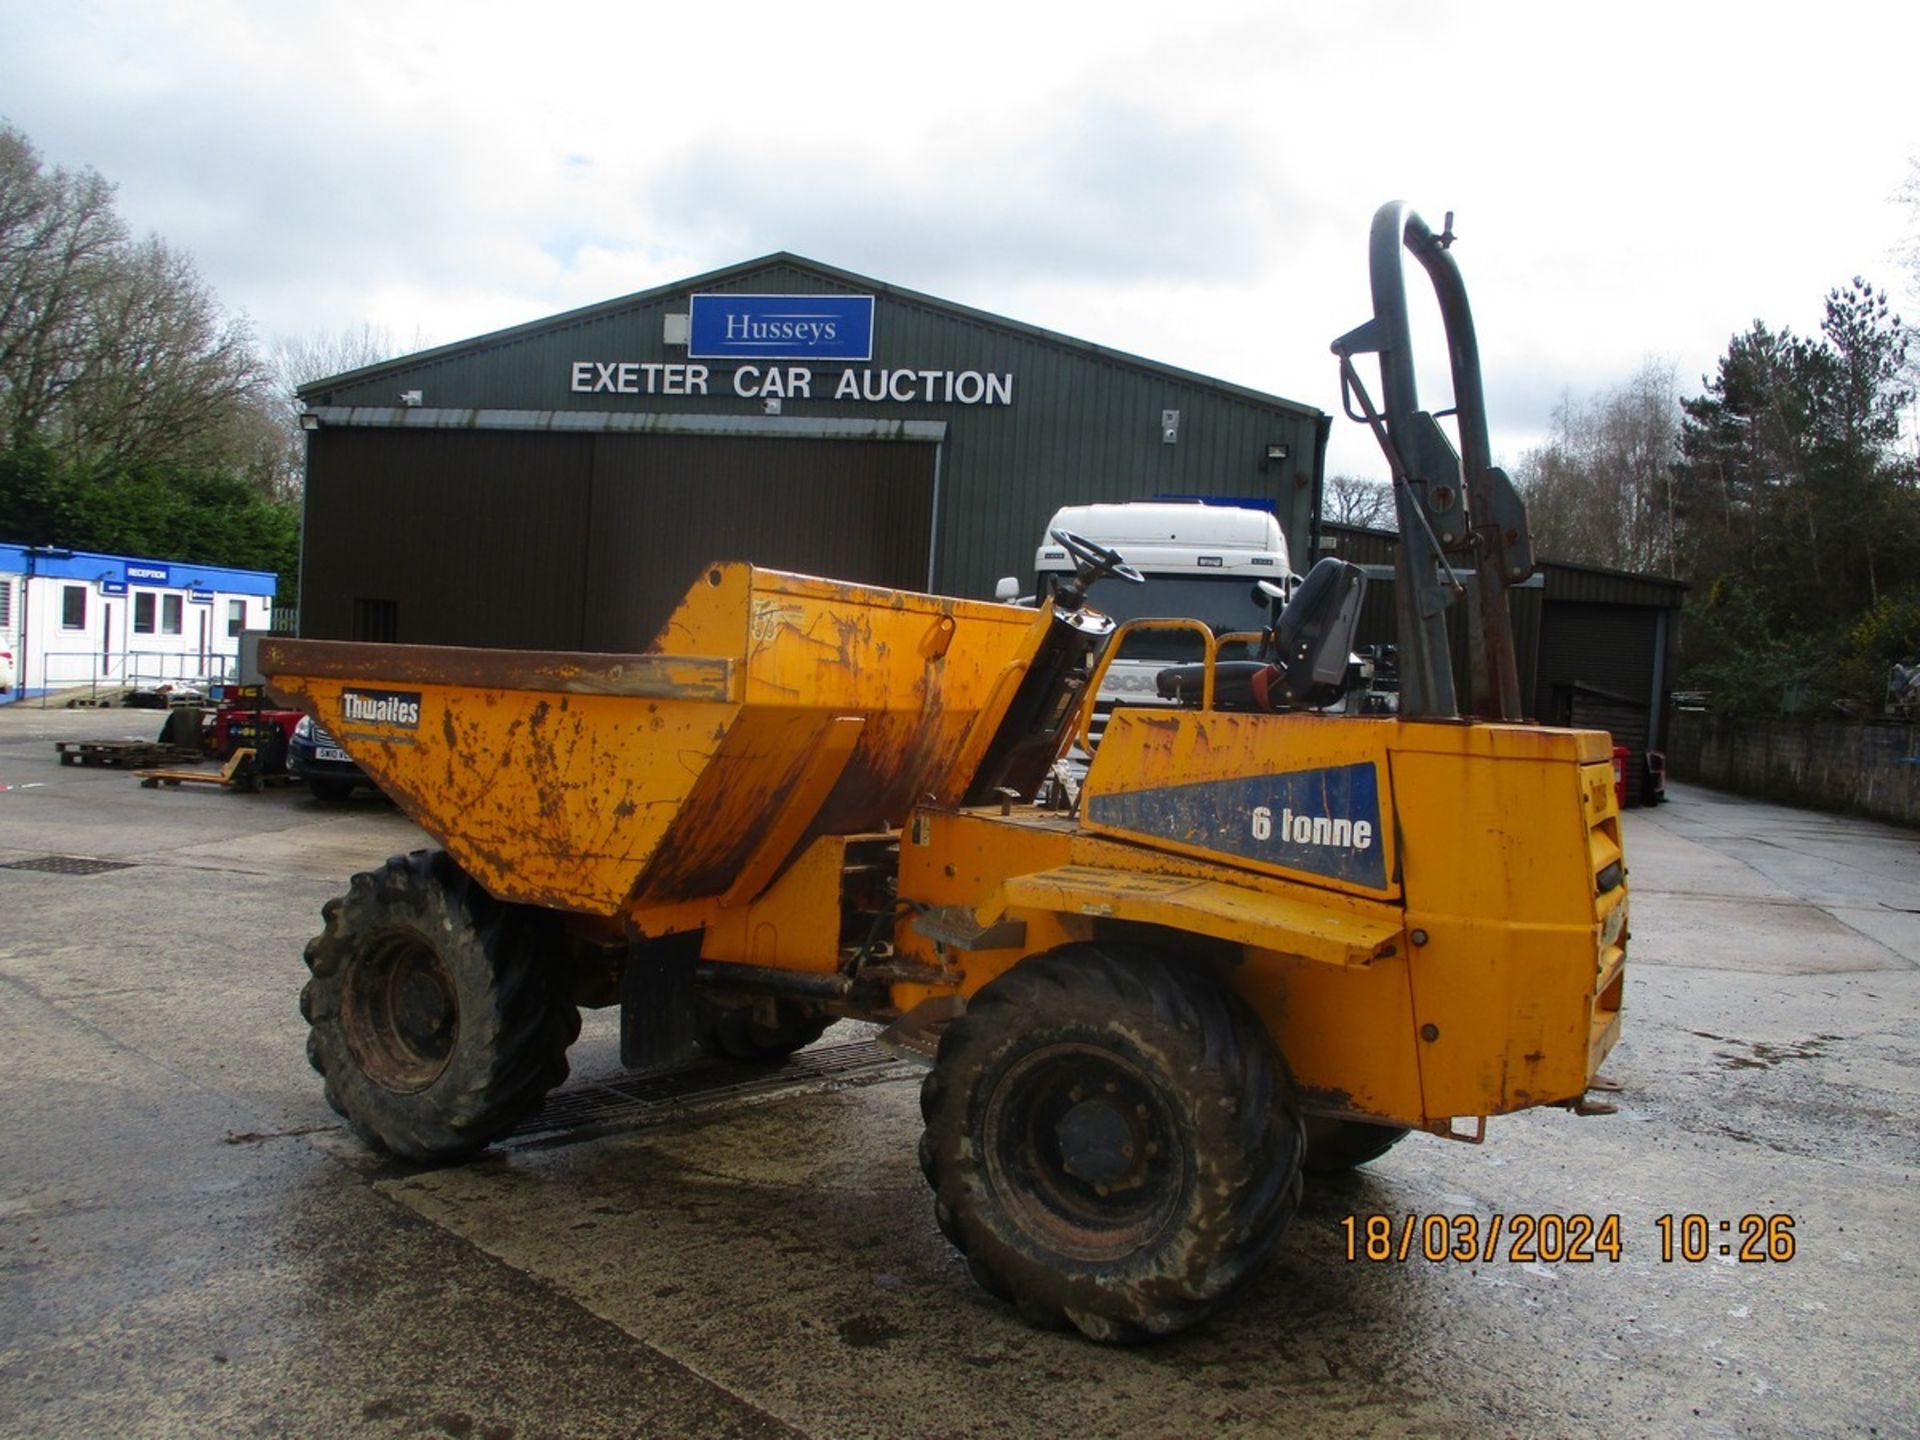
1552 1239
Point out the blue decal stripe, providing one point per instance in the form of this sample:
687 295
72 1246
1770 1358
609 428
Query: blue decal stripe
1323 821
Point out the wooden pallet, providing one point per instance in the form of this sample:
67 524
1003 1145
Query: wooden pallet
126 754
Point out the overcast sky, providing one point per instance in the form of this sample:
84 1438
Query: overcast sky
1190 183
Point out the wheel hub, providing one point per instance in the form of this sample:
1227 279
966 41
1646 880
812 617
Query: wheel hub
1097 1143
400 1013
1080 1144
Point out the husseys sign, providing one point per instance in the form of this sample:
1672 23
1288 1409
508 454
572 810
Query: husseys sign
780 327
750 330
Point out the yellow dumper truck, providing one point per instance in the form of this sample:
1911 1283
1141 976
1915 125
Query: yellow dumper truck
1261 939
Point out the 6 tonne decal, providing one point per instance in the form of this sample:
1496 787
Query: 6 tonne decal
1325 822
1312 829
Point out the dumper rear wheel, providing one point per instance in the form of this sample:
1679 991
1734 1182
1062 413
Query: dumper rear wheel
1334 1146
1111 1141
759 1027
435 1021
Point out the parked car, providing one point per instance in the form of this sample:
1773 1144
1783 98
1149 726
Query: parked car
328 770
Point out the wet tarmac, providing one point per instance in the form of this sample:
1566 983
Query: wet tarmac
190 1244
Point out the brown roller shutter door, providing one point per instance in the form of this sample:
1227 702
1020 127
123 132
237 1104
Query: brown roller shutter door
586 542
665 506
448 537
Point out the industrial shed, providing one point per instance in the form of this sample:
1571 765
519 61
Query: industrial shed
1594 646
1606 657
558 485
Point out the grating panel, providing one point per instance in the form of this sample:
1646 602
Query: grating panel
68 865
635 1102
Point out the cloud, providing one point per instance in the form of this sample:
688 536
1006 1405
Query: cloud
1108 193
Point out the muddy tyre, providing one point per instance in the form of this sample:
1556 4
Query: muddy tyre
1336 1146
759 1028
1111 1142
435 1020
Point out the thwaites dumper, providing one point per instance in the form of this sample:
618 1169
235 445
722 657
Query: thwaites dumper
1263 940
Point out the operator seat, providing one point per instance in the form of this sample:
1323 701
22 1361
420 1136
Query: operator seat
1314 638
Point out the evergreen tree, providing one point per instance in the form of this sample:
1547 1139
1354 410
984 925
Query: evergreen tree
1797 512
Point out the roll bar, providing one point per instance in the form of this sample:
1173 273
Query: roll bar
1446 503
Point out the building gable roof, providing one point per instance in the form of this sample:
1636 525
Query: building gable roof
731 276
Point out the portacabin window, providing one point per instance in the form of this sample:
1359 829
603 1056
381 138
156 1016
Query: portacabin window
236 616
171 609
143 612
73 607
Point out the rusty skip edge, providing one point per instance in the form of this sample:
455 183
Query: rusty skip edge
645 677
767 583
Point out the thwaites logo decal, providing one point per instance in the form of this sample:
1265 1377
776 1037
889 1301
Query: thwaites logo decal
1324 822
398 708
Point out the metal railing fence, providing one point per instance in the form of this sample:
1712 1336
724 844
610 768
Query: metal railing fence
65 675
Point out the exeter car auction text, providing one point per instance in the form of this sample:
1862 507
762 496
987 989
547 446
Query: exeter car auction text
794 382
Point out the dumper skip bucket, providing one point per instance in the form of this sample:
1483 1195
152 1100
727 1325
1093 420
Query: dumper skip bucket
772 708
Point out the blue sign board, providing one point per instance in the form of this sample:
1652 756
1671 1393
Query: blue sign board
113 587
145 572
780 327
200 597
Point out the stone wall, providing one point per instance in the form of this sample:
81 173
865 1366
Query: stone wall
1865 767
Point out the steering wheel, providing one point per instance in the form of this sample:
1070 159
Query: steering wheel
1092 563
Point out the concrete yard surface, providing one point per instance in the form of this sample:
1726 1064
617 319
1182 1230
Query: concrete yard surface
192 1244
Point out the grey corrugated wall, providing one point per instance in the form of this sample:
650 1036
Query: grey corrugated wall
1084 424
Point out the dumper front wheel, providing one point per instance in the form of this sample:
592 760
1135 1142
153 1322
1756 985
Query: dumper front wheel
1111 1141
435 1022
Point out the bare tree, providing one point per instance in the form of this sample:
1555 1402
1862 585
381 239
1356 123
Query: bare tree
1600 491
1355 500
1909 255
112 350
58 233
296 360
164 372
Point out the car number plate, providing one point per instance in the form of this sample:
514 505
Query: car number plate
331 752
